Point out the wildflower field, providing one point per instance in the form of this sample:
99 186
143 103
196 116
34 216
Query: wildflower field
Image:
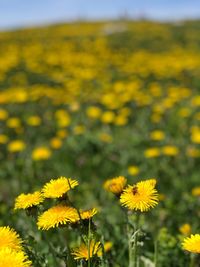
100 145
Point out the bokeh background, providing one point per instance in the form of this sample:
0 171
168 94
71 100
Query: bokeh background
97 89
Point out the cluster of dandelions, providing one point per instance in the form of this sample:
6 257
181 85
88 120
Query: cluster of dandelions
134 199
11 249
65 214
141 197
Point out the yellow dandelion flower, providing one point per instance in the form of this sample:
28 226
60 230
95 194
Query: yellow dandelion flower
108 117
55 143
157 135
185 229
115 185
133 170
25 201
170 150
57 216
192 243
3 139
16 146
120 120
10 239
12 258
87 214
34 121
57 188
85 251
141 196
107 247
13 123
93 112
3 114
41 153
152 152
196 191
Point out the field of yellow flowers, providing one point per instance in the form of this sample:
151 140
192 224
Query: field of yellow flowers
100 145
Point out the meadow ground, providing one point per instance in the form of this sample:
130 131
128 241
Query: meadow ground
90 102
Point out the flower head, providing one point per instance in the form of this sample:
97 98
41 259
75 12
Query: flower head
85 251
57 188
196 191
185 229
192 243
10 239
41 153
133 170
87 214
115 185
57 216
16 146
141 196
25 201
12 258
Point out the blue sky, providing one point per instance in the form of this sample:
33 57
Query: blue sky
17 13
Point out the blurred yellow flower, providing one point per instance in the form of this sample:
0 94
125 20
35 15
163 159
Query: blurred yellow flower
185 229
41 153
63 118
3 114
195 101
3 139
120 120
195 137
157 135
196 191
108 117
25 201
115 185
93 112
170 150
34 121
55 143
87 214
192 243
16 146
13 123
152 152
133 170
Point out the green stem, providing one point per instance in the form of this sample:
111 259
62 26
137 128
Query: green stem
136 231
89 261
132 241
156 253
192 260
